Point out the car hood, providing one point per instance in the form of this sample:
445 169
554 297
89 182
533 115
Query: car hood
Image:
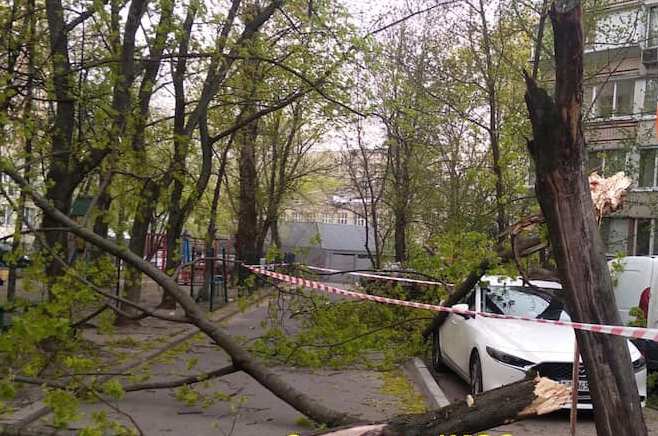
533 341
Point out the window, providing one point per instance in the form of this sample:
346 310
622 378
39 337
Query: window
342 218
643 237
359 220
644 240
29 214
6 215
608 162
648 165
650 96
614 232
652 27
614 98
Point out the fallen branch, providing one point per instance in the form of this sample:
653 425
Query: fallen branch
524 248
226 370
168 384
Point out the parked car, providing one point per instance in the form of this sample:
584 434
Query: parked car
488 353
635 280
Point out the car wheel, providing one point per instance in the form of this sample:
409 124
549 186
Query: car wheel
476 373
437 365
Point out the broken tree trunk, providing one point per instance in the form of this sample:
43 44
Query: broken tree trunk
490 409
524 247
240 358
558 149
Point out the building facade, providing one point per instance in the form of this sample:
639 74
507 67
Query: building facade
620 101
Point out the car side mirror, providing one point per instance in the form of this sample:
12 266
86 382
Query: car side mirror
462 307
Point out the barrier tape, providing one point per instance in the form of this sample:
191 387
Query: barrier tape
378 276
629 332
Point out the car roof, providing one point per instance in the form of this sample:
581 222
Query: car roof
499 280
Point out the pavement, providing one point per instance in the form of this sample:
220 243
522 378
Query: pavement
235 404
554 424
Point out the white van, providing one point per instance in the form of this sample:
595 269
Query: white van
633 276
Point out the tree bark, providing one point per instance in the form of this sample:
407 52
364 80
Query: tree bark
490 409
562 188
246 239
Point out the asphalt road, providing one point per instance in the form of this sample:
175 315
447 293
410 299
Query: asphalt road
554 424
252 410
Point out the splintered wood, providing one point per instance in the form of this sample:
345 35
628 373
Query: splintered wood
550 396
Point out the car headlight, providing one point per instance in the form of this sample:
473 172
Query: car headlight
639 364
508 359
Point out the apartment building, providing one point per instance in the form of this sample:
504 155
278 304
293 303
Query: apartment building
331 208
620 100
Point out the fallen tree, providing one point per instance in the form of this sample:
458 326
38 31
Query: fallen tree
513 402
563 191
521 399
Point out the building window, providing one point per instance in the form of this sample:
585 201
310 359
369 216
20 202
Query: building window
614 98
643 230
29 214
342 218
648 167
6 215
359 220
650 96
652 27
614 232
607 163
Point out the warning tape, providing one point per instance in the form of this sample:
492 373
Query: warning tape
629 332
378 276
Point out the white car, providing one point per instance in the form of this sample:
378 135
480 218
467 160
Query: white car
488 353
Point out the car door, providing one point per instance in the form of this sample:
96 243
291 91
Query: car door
456 337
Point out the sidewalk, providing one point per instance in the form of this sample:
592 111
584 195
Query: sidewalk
246 407
131 346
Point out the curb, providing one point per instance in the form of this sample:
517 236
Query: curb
418 372
15 425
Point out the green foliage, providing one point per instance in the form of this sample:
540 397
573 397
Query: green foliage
454 255
342 333
187 395
639 319
113 389
64 405
102 425
397 385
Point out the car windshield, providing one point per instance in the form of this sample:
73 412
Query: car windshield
522 301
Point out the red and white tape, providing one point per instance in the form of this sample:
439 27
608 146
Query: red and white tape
379 276
629 332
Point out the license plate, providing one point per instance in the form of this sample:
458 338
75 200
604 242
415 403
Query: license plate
583 386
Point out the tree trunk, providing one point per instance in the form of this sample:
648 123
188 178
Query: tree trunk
558 149
246 238
211 232
490 409
132 279
401 236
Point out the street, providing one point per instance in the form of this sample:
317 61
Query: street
251 410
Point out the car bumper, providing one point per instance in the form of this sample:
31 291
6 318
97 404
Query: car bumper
496 374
